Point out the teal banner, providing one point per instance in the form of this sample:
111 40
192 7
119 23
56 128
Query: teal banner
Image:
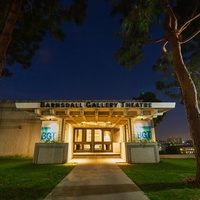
47 134
143 133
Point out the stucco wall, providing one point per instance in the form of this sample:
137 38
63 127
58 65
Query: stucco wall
146 152
18 131
122 139
69 139
50 153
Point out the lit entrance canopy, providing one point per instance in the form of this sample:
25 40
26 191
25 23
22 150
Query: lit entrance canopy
109 113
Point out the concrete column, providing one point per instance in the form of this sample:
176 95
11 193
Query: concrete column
62 130
153 131
130 139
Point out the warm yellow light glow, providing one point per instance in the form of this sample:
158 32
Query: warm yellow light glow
107 135
96 123
54 127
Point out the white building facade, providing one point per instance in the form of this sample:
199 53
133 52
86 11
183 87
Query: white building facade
124 127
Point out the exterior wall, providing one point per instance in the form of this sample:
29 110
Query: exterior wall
143 147
18 131
50 153
122 138
116 141
142 153
146 130
69 139
153 134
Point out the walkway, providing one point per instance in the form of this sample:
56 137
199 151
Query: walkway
96 178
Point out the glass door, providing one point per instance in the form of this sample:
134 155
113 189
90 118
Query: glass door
102 140
87 146
98 140
107 141
82 140
78 137
92 140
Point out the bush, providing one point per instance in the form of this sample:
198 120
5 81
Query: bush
173 150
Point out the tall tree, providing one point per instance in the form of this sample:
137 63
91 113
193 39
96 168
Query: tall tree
179 21
24 23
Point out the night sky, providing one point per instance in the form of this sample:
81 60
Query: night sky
83 68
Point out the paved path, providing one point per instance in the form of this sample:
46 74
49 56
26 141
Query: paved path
96 178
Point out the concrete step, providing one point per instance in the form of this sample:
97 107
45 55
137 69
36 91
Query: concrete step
102 154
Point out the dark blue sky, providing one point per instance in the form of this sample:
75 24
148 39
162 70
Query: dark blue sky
83 68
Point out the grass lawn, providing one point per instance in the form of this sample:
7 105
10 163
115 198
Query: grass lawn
162 181
22 180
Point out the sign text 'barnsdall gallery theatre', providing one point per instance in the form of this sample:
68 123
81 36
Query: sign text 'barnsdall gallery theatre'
54 131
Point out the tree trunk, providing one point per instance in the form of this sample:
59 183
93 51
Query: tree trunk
189 94
6 33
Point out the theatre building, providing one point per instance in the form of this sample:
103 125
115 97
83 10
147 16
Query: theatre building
54 131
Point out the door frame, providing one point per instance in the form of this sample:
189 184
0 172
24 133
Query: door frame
82 145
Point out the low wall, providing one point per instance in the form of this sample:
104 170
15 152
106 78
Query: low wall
177 156
50 153
142 152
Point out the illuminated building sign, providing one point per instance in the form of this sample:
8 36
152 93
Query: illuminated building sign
144 133
95 104
143 130
49 131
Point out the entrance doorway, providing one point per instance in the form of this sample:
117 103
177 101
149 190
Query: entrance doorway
93 140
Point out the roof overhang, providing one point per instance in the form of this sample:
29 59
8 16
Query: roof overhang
108 113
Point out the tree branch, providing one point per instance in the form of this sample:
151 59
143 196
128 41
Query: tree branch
190 37
185 25
172 17
198 73
159 40
6 34
155 41
164 47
